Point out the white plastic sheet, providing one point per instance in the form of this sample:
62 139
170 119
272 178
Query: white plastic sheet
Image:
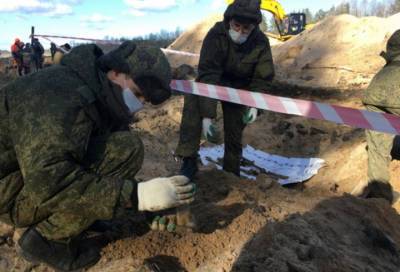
290 170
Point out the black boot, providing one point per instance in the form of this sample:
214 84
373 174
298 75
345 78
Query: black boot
189 167
378 189
62 256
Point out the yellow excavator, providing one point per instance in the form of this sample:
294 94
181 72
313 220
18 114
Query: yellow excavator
288 25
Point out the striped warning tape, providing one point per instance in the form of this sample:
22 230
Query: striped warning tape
383 122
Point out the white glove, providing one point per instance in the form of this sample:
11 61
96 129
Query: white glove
250 116
209 130
164 193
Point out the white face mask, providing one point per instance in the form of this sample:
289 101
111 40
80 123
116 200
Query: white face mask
131 101
237 37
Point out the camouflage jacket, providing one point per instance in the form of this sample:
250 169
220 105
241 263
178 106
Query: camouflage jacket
46 121
222 62
384 89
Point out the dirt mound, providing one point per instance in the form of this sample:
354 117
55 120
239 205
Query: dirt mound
257 225
244 226
339 52
192 39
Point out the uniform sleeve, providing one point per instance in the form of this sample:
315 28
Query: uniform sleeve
51 144
264 71
210 71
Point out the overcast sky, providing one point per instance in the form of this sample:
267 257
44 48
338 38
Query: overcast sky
115 18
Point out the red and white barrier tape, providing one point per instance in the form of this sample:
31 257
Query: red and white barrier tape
382 122
59 47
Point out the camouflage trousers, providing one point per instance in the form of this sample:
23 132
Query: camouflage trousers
119 155
379 149
191 130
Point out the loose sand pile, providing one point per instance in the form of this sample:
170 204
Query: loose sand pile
340 52
258 225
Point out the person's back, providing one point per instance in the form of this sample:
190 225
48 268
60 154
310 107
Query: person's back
16 51
38 52
66 143
53 50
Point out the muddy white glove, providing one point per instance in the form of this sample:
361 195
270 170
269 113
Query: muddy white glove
164 193
209 131
250 116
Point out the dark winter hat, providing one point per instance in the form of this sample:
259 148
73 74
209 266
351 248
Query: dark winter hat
244 11
392 47
147 66
150 69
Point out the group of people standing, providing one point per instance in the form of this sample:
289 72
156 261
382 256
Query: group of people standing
27 55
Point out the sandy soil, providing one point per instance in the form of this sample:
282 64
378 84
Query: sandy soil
258 225
340 52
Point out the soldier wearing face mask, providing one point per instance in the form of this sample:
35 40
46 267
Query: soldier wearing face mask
67 156
235 53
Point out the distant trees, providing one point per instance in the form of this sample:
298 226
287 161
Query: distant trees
161 39
359 8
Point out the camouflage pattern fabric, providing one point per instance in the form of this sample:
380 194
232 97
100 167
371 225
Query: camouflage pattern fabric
118 156
392 47
248 66
142 62
49 123
383 95
150 62
379 150
189 141
384 90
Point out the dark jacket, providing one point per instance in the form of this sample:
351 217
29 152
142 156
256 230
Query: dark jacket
247 66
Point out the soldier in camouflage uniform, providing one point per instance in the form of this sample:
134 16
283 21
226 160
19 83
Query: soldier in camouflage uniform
67 157
382 95
235 53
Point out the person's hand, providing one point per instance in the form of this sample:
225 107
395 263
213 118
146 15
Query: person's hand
210 133
250 116
164 193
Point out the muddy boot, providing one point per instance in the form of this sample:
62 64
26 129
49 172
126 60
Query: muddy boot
189 167
62 256
377 189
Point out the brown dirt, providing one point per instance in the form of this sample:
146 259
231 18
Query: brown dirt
253 225
340 52
247 226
